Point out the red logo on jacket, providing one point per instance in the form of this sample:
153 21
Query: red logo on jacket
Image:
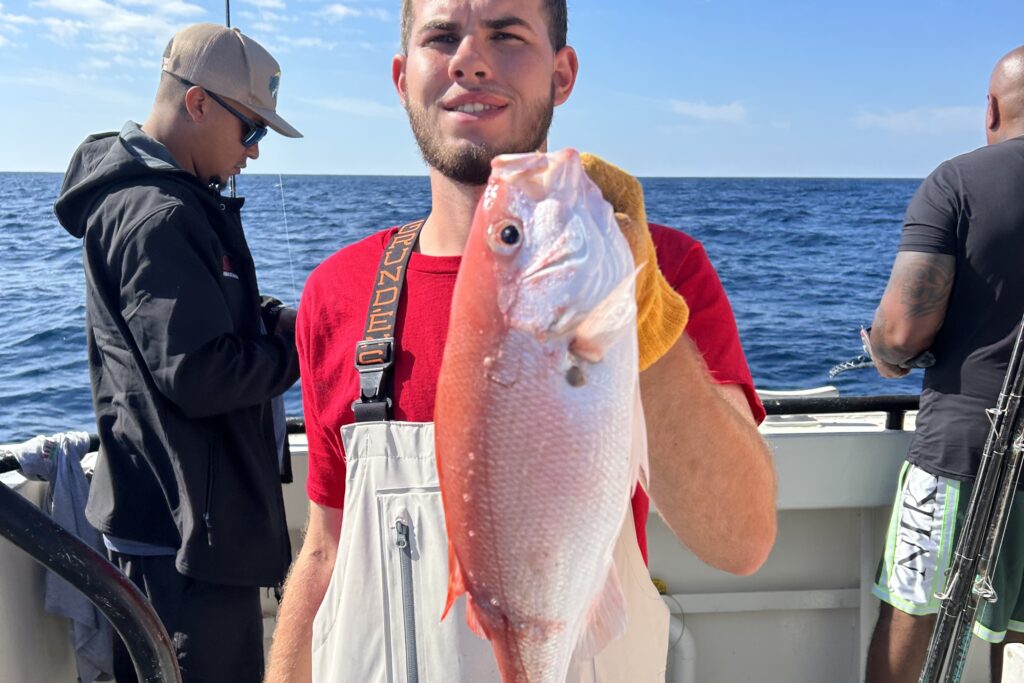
229 270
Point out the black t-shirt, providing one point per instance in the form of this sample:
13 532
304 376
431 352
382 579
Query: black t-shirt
971 207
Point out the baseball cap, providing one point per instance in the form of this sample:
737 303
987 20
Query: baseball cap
227 62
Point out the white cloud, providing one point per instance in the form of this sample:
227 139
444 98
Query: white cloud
306 42
71 86
14 18
924 120
177 8
266 15
10 24
339 12
265 21
266 4
733 112
64 31
351 105
123 46
138 28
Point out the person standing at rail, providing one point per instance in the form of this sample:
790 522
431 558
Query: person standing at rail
957 290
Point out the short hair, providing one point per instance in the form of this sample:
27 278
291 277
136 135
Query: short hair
557 15
170 92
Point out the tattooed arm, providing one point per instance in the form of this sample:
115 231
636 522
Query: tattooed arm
912 309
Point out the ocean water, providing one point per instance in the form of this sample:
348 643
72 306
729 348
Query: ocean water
804 262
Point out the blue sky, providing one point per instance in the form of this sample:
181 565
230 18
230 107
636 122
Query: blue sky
667 87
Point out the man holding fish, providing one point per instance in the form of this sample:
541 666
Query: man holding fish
543 423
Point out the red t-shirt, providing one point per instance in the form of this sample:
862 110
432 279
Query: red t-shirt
333 314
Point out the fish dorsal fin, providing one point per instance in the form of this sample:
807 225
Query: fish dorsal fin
607 322
639 465
606 619
456 587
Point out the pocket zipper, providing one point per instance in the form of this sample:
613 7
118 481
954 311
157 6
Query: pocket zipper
207 520
405 560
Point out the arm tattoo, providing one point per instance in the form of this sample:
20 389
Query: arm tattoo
913 306
925 286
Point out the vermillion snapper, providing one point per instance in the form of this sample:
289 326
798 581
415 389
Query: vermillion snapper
537 415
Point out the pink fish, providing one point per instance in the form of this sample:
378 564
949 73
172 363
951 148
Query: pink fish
538 422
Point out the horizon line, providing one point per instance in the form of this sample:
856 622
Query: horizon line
645 177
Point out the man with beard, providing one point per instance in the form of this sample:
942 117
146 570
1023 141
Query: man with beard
480 78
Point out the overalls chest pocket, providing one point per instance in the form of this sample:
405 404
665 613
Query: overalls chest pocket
415 567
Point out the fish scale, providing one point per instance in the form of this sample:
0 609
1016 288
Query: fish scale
536 470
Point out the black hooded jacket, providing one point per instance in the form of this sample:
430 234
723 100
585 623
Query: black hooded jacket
181 375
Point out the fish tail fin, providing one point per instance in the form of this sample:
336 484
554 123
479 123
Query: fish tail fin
456 587
606 619
639 465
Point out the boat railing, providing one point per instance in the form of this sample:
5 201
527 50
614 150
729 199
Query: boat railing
895 407
65 554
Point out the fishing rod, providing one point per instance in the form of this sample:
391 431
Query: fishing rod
977 552
233 190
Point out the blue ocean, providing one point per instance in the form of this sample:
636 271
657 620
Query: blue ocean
804 262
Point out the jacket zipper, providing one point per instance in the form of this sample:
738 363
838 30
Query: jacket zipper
207 519
408 608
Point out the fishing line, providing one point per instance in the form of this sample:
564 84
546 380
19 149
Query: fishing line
288 242
861 361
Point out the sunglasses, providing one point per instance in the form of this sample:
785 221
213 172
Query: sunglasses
254 132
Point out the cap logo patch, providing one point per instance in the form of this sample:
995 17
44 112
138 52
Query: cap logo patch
275 83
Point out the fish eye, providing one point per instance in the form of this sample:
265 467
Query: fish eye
510 235
506 235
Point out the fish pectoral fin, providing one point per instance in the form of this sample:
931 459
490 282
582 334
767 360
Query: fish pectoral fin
606 620
607 322
456 587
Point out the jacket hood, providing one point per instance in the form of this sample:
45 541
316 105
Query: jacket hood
103 160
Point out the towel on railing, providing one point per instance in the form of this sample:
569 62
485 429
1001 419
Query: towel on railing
57 460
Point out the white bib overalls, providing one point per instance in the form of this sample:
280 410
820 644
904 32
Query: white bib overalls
380 620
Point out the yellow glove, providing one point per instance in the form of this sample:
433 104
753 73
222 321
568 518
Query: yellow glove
661 312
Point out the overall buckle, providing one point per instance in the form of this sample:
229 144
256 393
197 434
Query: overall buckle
373 359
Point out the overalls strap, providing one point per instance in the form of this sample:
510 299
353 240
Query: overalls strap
375 352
